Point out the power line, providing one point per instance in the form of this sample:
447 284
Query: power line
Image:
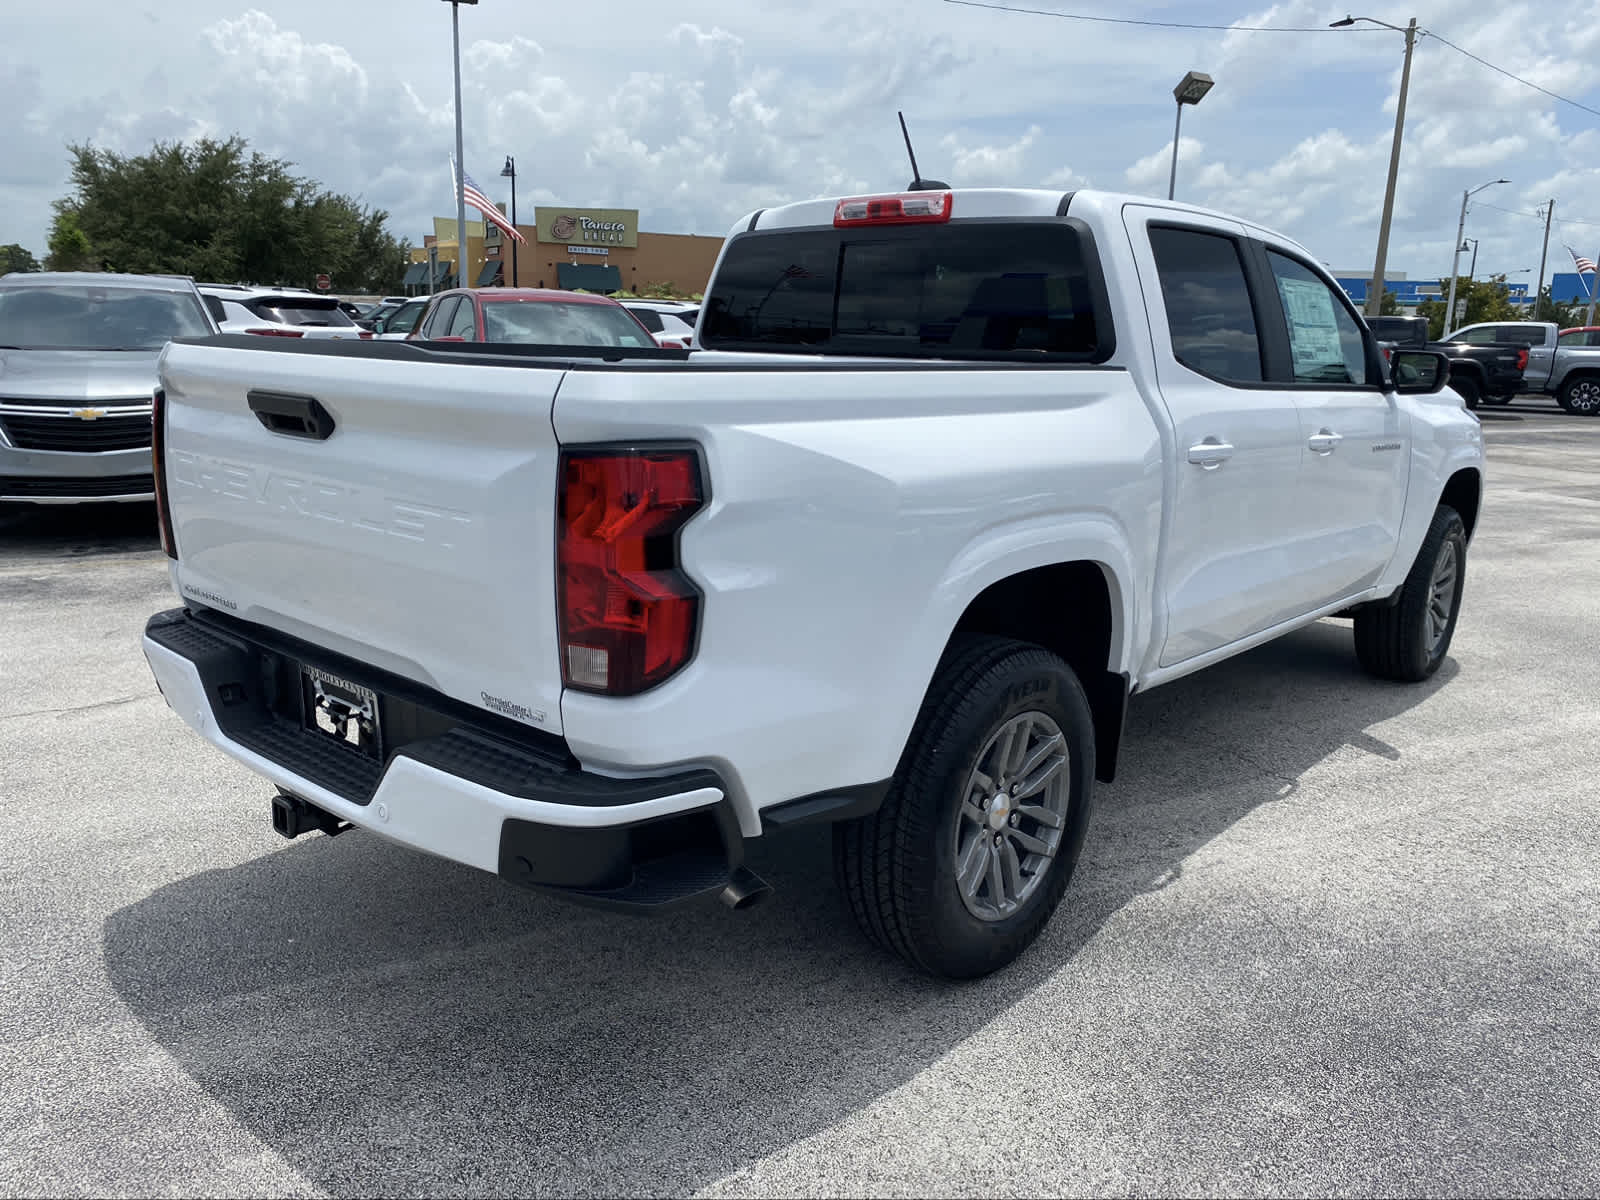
1050 12
1525 82
1066 16
1538 216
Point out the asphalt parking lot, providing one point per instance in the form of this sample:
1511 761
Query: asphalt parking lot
1328 936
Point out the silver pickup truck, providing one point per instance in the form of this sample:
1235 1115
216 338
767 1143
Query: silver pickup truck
1567 368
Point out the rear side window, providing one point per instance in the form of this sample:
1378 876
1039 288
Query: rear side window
981 290
1526 334
648 317
1207 300
1481 335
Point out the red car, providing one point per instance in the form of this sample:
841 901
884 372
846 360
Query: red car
537 316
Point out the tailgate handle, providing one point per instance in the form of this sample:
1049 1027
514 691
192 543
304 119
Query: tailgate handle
293 416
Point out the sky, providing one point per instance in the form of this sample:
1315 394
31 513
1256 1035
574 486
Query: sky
698 111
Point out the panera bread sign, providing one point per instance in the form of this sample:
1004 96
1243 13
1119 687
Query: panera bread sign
588 226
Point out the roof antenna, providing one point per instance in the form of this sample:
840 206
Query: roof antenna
918 183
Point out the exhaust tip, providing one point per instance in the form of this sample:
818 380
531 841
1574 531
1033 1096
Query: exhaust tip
745 889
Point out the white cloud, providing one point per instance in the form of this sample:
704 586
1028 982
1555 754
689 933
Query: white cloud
698 115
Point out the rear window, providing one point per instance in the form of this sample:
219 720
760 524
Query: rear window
291 310
967 289
557 323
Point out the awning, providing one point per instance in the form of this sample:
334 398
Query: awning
416 275
590 277
490 273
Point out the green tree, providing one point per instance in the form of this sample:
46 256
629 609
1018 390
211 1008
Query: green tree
70 248
1486 299
1389 305
219 211
16 258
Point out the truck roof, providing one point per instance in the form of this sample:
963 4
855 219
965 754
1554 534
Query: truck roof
992 203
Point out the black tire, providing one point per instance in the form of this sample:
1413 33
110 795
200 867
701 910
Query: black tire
1580 396
897 867
1394 641
1468 388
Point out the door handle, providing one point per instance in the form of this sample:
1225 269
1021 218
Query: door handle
1210 454
1324 441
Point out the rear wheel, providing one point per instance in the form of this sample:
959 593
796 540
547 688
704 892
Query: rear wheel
1407 640
1581 396
1468 388
970 853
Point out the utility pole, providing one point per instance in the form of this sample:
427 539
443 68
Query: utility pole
1538 292
461 195
1455 260
1375 292
1594 293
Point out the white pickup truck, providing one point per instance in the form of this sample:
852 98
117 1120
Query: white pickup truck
955 474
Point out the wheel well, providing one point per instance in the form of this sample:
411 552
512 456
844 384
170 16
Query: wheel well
1066 608
1463 492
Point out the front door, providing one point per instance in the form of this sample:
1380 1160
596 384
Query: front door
1357 445
1238 438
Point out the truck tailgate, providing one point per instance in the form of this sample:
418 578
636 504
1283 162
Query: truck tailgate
418 536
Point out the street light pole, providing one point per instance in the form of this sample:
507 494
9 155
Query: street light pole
511 169
1455 261
461 195
1191 89
1472 271
1375 292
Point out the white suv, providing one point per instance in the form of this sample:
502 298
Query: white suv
278 312
670 322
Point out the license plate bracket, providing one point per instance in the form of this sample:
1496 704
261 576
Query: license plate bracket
342 710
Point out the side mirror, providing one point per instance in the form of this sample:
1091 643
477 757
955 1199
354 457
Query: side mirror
377 326
1418 372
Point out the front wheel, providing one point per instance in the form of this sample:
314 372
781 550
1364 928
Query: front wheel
1407 640
1581 396
974 845
1469 389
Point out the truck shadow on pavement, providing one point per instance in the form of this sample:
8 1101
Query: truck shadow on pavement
77 530
395 1024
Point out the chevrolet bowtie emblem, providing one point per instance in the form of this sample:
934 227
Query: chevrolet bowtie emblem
88 414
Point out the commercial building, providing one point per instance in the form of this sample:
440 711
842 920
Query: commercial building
597 249
1566 287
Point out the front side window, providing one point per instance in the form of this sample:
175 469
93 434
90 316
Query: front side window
1325 343
87 317
1207 302
465 323
1480 335
438 321
404 319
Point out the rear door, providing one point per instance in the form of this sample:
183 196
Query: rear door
418 536
1238 436
1356 462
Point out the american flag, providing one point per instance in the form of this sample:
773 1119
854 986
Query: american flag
1585 265
473 196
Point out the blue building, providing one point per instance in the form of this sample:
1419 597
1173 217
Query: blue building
1565 288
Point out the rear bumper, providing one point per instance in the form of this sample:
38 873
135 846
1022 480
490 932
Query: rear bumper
452 782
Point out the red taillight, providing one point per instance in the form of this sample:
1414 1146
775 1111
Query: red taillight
158 463
364 334
908 208
1388 354
1522 360
267 331
629 615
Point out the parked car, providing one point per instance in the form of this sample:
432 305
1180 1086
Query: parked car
278 312
1570 373
397 325
539 316
1478 372
951 477
668 326
376 312
77 369
1581 335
